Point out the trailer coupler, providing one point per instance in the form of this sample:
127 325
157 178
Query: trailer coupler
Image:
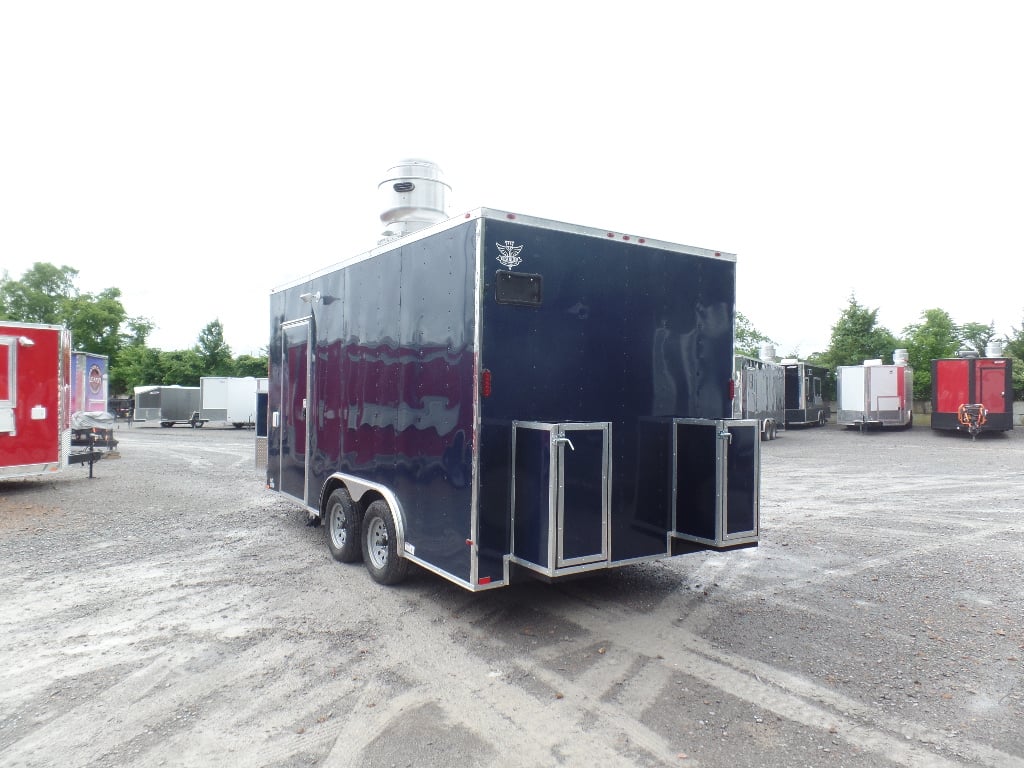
973 416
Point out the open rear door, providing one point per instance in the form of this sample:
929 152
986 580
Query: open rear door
717 476
561 495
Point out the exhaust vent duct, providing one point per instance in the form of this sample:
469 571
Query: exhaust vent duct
994 349
413 196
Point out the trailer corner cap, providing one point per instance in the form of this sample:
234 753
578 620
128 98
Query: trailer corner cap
25 341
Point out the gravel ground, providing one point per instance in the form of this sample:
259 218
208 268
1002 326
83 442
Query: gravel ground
172 612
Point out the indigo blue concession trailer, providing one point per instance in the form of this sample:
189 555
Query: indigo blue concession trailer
497 395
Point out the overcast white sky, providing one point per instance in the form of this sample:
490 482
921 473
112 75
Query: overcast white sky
198 154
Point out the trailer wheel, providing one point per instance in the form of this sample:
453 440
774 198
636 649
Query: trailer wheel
380 545
343 527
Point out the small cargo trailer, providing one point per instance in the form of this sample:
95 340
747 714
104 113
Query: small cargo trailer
760 393
805 402
230 399
497 394
35 401
973 394
875 394
169 404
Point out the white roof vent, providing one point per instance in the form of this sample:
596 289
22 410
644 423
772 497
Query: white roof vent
994 349
413 196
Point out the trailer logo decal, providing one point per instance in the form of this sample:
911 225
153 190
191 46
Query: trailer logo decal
95 379
509 253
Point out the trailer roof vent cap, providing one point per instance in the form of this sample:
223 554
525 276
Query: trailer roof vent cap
900 356
994 349
413 196
966 353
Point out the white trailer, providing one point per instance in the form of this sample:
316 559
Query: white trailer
760 393
874 394
229 399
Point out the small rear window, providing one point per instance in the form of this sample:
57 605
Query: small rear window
519 288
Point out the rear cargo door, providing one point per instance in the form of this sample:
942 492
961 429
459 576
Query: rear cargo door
717 479
295 398
561 494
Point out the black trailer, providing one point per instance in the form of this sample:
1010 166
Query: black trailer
499 394
805 402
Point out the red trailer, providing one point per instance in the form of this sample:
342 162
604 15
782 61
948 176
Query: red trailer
973 394
35 389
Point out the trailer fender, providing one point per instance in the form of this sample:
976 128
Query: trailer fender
357 488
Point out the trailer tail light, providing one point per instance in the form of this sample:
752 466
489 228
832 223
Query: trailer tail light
485 383
732 389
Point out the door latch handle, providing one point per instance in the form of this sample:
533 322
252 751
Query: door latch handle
726 435
557 440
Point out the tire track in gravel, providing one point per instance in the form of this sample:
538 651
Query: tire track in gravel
789 696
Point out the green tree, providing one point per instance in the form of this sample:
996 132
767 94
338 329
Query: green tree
136 331
47 294
247 365
747 339
214 351
856 337
1013 347
934 338
136 366
976 335
39 296
184 367
95 321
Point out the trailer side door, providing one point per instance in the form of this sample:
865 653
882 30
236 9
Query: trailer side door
294 388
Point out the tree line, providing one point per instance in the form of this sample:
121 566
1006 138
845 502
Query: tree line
857 336
100 325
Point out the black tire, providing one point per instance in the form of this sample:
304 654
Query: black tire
380 545
342 520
